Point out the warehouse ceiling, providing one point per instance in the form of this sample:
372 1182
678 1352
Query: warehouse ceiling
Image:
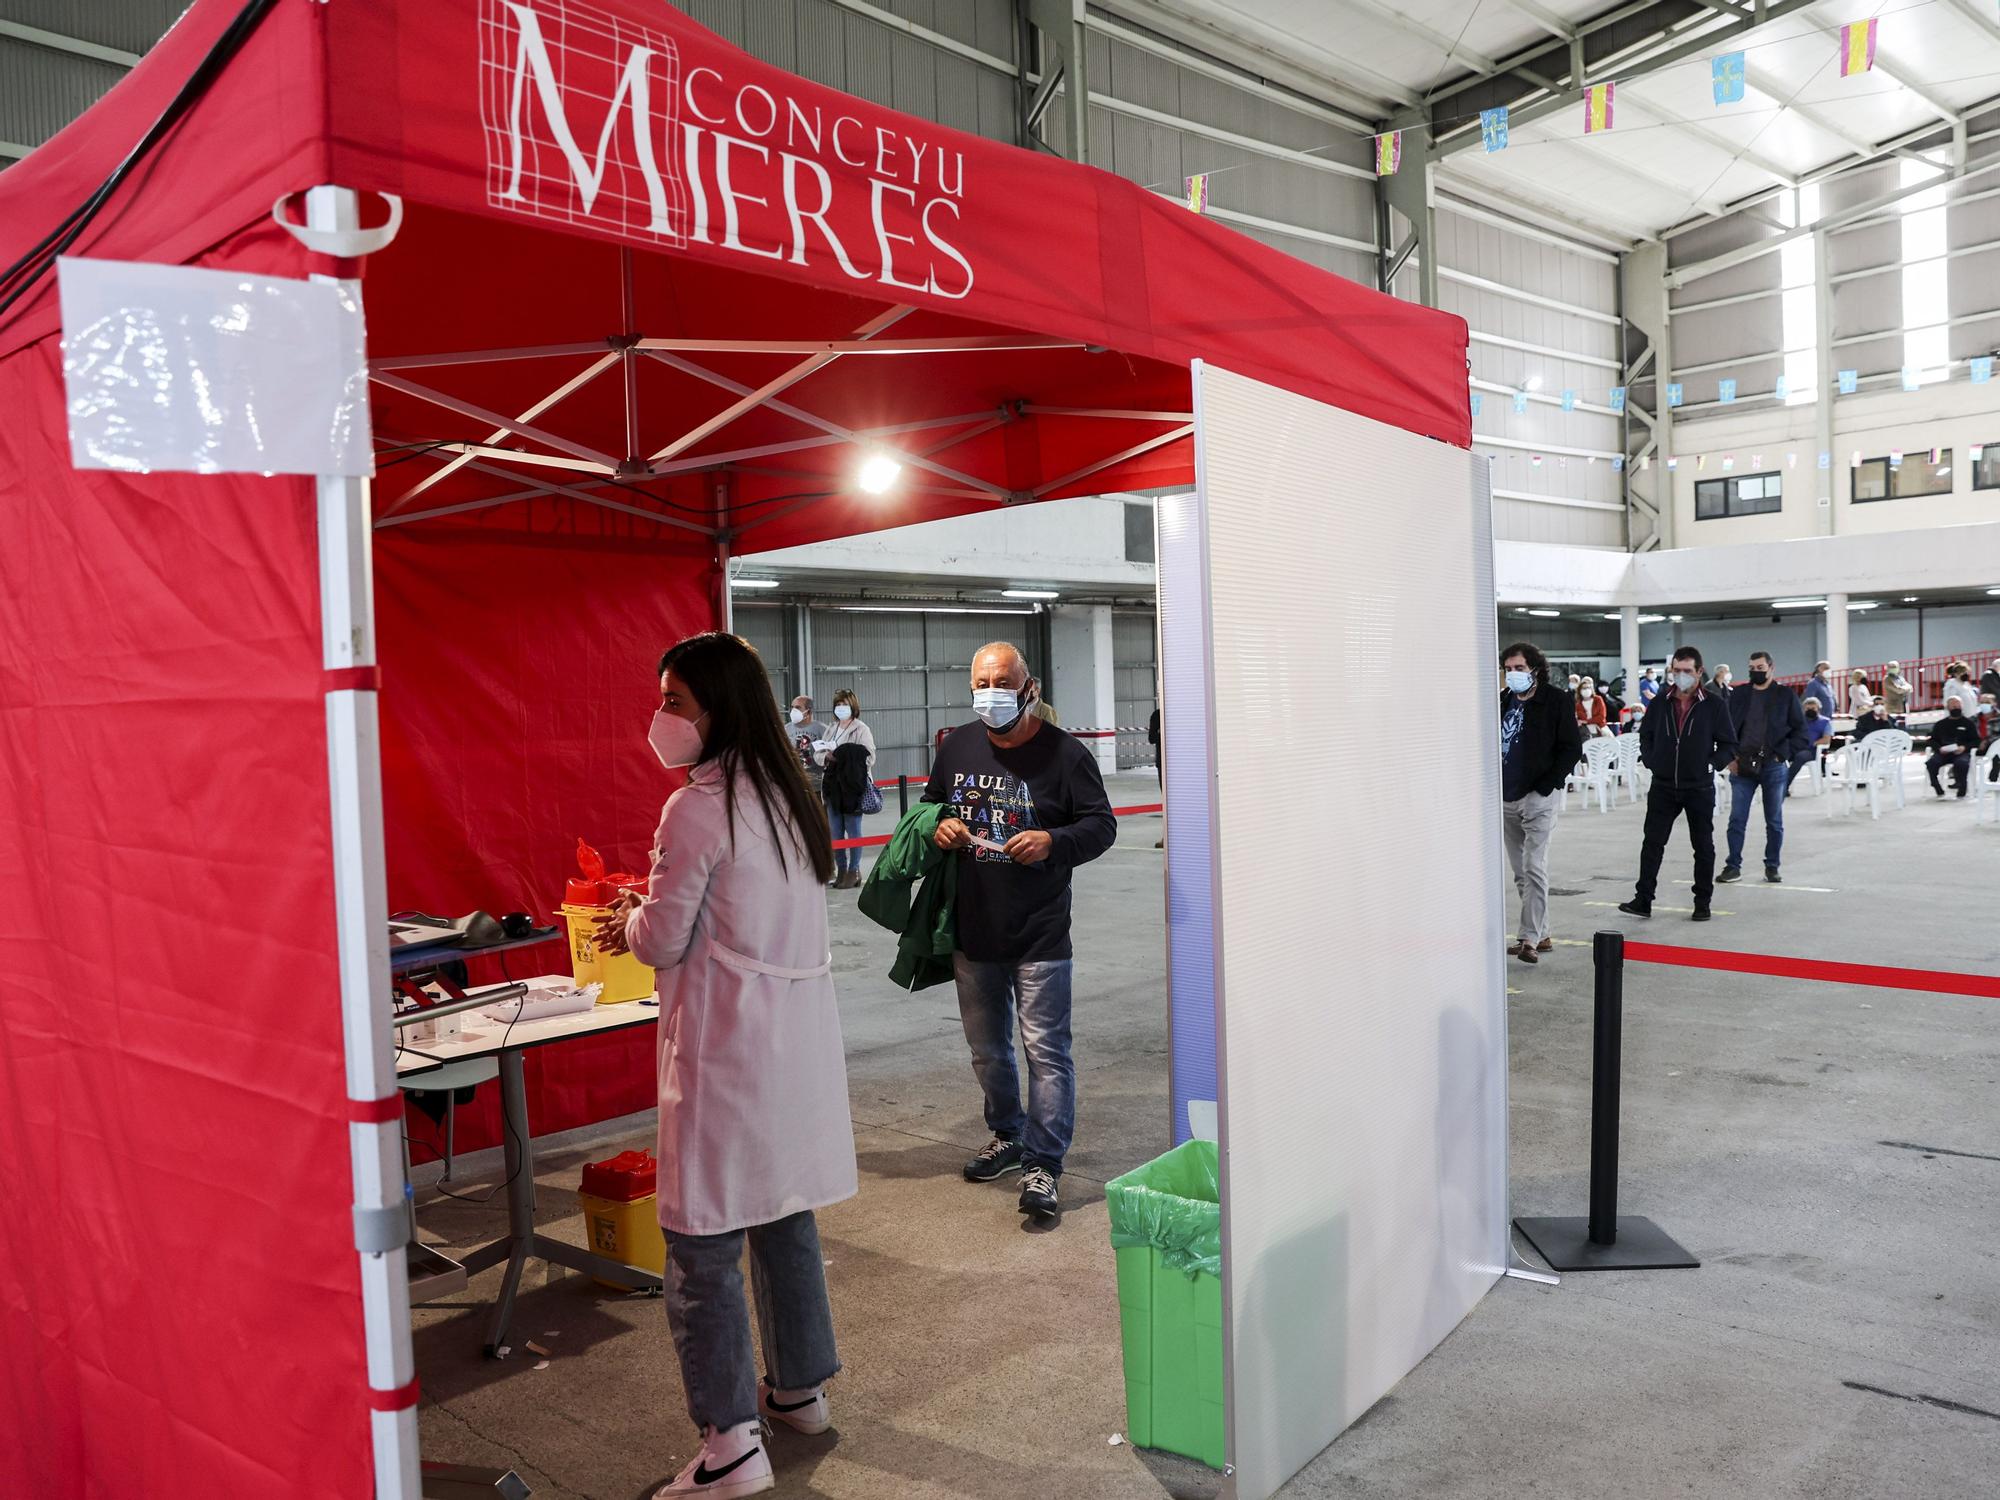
1673 153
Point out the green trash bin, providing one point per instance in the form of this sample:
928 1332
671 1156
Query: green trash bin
1166 1230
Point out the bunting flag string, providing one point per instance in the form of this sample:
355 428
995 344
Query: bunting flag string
1597 108
1197 192
1389 153
1857 47
1727 74
1493 128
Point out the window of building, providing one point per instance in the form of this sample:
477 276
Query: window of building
1750 495
1986 466
1139 533
1880 479
1798 265
1926 290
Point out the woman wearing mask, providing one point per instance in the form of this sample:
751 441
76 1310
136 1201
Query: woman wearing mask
1590 715
754 1125
846 781
1958 689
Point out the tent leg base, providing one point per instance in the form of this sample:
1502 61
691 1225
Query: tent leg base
461 1482
1640 1245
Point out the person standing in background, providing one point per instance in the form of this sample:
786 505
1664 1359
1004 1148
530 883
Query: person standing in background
1723 678
1684 742
846 785
1159 766
1958 688
806 732
1895 691
1540 741
1820 690
1770 734
1989 709
1989 682
1859 700
1649 686
1590 715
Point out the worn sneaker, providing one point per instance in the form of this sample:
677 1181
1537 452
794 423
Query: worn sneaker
998 1159
730 1464
1700 913
1526 953
1729 873
802 1411
1636 908
1038 1193
1771 875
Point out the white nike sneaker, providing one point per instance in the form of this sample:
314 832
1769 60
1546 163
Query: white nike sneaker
730 1464
804 1411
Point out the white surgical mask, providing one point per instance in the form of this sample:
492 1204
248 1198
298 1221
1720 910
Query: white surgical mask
1587 690
675 740
999 708
842 711
1684 680
1520 682
798 716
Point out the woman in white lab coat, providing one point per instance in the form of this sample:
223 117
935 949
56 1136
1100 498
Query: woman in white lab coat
754 1125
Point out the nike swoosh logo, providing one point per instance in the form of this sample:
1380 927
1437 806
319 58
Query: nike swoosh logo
776 1405
703 1474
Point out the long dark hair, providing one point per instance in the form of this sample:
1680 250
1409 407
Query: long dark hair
1532 654
726 675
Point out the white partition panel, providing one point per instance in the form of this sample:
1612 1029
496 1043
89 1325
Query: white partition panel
1345 590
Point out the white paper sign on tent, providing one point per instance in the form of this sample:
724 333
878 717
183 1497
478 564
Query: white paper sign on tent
213 372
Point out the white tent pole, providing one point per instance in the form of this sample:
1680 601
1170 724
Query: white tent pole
361 910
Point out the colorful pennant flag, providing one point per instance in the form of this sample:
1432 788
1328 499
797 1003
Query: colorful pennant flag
1673 463
1618 463
1912 377
1597 108
1493 128
1825 459
1792 459
1389 153
1756 460
1645 460
1728 462
1569 400
1895 458
1855 463
1727 74
1674 394
1850 382
1783 389
1618 398
1857 47
1701 460
1197 192
1476 403
1982 368
1536 460
1520 402
1934 457
1725 391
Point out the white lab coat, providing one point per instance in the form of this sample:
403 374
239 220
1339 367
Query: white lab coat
754 1124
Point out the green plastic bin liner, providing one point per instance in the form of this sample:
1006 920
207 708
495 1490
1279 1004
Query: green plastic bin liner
1166 1231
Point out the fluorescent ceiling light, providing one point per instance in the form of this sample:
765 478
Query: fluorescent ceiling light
1866 604
1029 594
878 472
1912 598
1798 604
926 609
1653 619
1993 591
1534 383
753 583
1546 614
1675 618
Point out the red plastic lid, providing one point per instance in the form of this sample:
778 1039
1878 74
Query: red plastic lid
624 1178
588 893
589 861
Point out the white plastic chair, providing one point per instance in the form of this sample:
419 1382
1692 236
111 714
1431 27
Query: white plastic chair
1861 771
1984 790
1814 771
1599 771
1630 770
1892 759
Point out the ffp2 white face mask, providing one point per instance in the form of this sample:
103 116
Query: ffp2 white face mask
798 716
1684 681
842 712
676 741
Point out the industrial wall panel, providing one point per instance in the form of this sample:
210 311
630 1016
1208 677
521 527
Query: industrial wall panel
1134 649
1974 223
820 40
766 626
724 17
771 31
42 91
1702 336
129 25
1140 77
1980 336
1877 243
1974 281
1331 537
914 74
1877 356
870 66
958 92
998 106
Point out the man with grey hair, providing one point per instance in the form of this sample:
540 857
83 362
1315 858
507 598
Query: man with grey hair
806 732
1025 805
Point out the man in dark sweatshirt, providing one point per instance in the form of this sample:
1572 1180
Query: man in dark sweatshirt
1954 741
1770 729
1684 741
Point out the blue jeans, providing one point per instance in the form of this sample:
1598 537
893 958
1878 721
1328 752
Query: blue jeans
988 996
1776 776
711 1326
845 826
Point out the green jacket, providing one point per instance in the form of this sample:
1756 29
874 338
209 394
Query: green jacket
927 927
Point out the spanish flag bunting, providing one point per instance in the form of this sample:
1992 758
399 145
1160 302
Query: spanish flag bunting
1197 192
1388 153
1597 108
1857 47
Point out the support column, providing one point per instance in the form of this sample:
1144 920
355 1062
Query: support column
1628 649
1647 359
1104 684
1836 643
1061 23
1823 372
1412 194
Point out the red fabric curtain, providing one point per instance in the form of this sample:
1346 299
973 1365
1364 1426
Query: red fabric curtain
179 1301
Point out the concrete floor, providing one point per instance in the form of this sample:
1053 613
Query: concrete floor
1832 1155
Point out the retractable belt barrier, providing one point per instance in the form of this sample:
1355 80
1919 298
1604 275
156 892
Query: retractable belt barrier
883 838
1605 1241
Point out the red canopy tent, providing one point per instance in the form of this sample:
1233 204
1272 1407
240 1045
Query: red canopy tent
650 303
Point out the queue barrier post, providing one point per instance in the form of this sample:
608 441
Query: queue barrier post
902 796
1604 1240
